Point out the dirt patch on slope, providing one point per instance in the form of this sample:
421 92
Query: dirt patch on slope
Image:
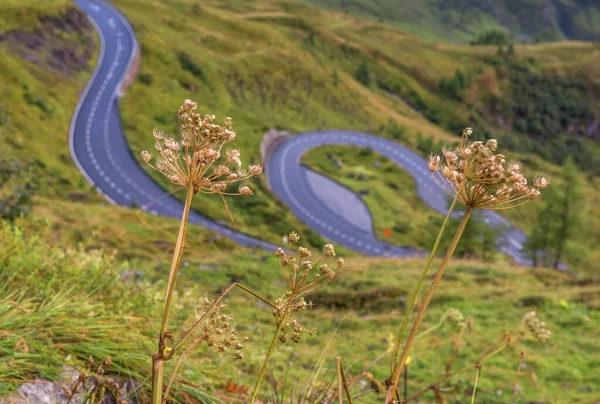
61 44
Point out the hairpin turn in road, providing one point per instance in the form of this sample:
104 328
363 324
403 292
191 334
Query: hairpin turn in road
100 151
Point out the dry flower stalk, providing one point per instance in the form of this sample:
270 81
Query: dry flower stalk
192 162
475 175
303 276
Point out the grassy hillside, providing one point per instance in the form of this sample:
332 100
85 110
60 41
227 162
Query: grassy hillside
465 21
267 65
44 67
106 301
29 14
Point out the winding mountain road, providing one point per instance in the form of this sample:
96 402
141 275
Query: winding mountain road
100 151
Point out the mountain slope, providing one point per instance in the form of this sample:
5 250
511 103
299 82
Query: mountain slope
290 65
464 20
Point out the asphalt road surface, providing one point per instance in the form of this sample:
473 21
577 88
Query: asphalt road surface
100 151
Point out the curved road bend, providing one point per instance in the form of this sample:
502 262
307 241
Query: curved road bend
284 165
100 151
97 142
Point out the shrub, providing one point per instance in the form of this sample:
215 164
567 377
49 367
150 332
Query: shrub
145 78
188 64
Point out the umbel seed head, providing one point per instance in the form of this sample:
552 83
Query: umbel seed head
188 161
481 178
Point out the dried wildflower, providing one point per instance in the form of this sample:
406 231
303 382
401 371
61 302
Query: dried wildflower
188 160
255 170
480 177
454 317
328 250
216 329
293 237
304 252
535 328
302 279
245 190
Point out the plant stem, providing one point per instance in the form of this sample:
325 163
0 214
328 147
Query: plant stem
405 383
476 380
339 380
344 381
176 369
413 298
177 254
421 314
158 375
158 359
521 357
263 369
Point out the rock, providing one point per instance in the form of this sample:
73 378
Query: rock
42 391
364 192
377 164
39 392
350 175
361 176
336 161
185 264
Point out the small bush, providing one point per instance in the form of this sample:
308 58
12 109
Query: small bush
188 64
145 78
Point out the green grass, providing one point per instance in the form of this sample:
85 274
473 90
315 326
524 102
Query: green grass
88 310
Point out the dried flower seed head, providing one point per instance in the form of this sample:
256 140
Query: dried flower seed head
233 157
215 328
454 317
340 262
245 190
293 237
255 170
481 178
535 328
187 161
146 156
328 250
433 162
304 252
541 182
